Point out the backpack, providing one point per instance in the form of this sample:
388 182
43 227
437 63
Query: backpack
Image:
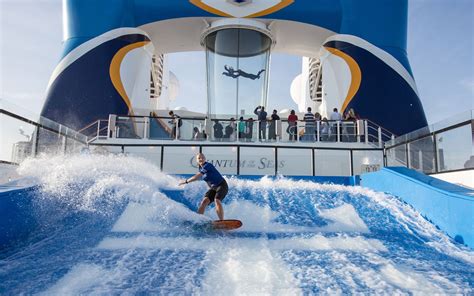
180 122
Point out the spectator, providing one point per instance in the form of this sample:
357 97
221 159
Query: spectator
241 128
233 126
175 123
249 129
197 135
229 129
292 125
218 128
317 118
309 125
272 126
335 117
324 129
262 119
350 126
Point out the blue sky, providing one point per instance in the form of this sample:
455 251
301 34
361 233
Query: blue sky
440 50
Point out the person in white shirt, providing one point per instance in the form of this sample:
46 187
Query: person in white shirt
334 118
335 115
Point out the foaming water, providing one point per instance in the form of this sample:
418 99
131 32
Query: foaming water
110 224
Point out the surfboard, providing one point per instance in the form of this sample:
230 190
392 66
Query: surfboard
226 224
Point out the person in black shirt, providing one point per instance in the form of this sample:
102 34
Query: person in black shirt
272 126
218 128
262 119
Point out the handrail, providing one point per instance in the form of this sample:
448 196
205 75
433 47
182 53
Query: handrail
91 124
391 133
353 133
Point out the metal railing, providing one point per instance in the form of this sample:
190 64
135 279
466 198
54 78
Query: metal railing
231 130
27 134
446 146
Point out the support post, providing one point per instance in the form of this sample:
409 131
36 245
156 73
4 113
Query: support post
379 130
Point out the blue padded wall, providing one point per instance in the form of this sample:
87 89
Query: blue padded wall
448 206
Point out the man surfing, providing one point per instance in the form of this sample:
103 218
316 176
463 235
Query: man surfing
217 185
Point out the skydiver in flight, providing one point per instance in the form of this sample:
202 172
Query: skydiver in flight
229 71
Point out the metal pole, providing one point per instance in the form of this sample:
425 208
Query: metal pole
65 140
238 160
352 163
146 126
435 156
318 124
366 132
276 161
162 156
176 128
278 131
36 142
258 130
379 129
407 155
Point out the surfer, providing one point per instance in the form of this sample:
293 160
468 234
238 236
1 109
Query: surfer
217 185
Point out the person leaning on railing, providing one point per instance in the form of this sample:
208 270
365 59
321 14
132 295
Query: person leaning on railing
324 130
249 129
292 129
335 117
272 127
262 119
309 125
350 128
175 123
317 118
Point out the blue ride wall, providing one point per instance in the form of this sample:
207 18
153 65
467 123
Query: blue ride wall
16 215
381 23
448 206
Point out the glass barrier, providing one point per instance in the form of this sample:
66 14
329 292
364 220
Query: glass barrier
366 161
455 149
17 139
421 155
332 162
49 142
223 158
151 153
257 161
433 128
295 162
244 130
226 130
397 156
24 134
180 160
130 127
192 130
106 149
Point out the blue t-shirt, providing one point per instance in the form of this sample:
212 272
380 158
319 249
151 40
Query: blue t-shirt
210 175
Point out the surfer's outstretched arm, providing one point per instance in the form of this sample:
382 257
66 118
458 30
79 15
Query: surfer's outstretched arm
192 179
